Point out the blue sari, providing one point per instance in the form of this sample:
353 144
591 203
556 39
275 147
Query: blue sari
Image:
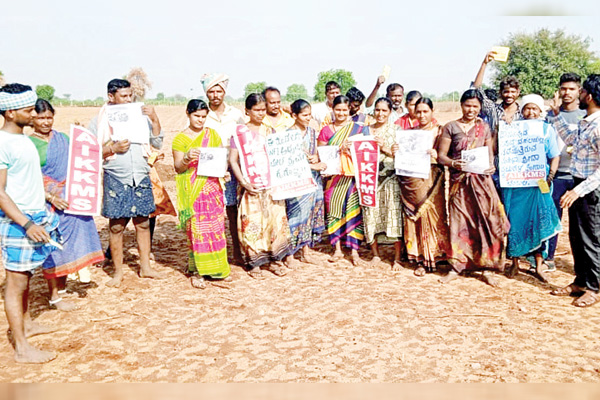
81 243
532 214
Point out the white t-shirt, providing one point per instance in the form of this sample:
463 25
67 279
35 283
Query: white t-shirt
24 182
227 124
319 111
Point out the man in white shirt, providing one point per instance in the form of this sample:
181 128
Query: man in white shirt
322 112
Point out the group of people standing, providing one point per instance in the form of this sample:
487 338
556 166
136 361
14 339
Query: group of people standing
454 219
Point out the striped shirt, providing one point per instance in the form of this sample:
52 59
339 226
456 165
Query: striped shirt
585 160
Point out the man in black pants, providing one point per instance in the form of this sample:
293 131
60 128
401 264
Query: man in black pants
583 200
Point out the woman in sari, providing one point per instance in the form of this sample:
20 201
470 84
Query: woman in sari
81 243
200 199
426 235
344 218
531 211
306 214
478 223
262 222
384 222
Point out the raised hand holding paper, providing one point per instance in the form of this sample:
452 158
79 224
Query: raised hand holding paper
501 53
386 72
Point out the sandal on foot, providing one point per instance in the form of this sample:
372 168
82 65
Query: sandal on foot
588 299
571 290
420 271
198 282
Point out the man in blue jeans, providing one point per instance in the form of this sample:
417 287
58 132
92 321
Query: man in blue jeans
568 96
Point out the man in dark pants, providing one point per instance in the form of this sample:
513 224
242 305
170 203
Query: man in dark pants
568 95
583 200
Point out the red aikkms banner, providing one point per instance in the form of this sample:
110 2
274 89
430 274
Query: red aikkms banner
365 156
253 157
84 177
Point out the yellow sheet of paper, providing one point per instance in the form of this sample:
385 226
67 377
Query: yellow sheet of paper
544 188
386 72
501 53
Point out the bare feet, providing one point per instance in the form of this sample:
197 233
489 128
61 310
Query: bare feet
541 274
513 270
152 258
397 266
63 305
256 273
148 272
198 282
376 262
276 268
34 329
420 271
490 278
292 263
309 259
116 280
452 275
27 354
337 256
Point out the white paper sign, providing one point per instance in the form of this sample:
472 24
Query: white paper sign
521 153
128 122
412 158
330 155
478 160
212 162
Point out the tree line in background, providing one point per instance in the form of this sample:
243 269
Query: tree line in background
536 59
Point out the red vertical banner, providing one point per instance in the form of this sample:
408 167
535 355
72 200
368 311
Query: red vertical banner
253 157
365 156
84 174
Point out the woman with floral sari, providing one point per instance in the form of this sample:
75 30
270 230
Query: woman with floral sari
532 214
200 199
426 235
384 222
344 218
81 243
306 214
478 223
262 222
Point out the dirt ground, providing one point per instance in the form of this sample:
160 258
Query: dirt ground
320 323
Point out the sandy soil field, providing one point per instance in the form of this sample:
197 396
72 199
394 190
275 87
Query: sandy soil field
320 323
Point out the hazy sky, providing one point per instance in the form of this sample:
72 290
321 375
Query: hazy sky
434 46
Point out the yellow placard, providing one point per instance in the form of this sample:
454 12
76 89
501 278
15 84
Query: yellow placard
386 72
544 188
501 53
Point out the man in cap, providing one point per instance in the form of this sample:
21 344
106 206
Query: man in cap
224 119
28 231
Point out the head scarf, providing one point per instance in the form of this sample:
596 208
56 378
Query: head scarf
533 99
210 80
15 101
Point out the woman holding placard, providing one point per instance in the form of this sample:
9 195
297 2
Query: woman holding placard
426 235
200 199
344 218
81 244
384 222
306 214
478 223
262 222
531 210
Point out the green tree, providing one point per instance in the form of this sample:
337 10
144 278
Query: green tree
254 87
344 78
296 91
45 92
160 96
539 59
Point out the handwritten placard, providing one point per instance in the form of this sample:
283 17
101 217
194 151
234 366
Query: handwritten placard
212 161
128 122
82 189
289 168
330 155
477 160
365 156
412 158
522 154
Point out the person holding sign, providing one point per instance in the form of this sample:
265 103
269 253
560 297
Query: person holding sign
478 223
127 186
583 201
306 214
426 234
344 218
263 227
81 243
531 211
200 199
384 221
